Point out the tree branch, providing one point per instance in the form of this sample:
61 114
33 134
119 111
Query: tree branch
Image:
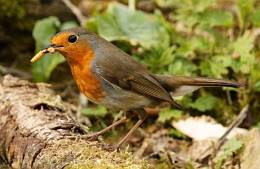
81 18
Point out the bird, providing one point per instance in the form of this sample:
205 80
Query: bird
108 76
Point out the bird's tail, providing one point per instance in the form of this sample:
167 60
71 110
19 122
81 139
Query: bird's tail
181 85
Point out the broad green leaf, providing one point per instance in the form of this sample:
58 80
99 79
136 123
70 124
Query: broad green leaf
42 33
121 23
68 25
204 103
217 18
231 147
92 24
98 111
43 68
167 114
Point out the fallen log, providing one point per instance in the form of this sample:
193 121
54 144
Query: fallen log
34 128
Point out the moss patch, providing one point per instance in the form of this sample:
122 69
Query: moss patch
78 154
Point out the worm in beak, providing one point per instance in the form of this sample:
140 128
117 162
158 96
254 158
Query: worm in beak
39 55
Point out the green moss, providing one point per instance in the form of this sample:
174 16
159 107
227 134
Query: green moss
77 154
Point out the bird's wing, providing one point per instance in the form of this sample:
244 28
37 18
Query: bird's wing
122 70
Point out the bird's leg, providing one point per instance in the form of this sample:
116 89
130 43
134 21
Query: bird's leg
138 123
94 136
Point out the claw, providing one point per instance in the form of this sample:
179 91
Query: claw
91 137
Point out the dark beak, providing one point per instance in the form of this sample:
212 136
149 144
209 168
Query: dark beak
51 46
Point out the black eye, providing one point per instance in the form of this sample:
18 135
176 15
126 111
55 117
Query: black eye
72 38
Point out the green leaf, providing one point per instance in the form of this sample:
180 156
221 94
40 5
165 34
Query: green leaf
243 47
157 59
68 25
257 125
121 23
256 18
42 32
43 68
257 86
246 6
217 18
204 103
244 44
216 67
189 12
164 3
245 10
255 77
98 111
231 147
167 114
246 63
177 134
92 24
182 66
201 6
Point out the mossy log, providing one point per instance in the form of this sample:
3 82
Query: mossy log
34 128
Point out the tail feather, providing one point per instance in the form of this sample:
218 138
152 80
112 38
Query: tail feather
181 85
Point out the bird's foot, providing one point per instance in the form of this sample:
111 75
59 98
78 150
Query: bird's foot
91 137
112 148
88 137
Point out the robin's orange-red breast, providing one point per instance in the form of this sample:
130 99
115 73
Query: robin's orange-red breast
110 77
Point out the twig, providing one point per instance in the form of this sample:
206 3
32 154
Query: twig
131 4
81 18
239 119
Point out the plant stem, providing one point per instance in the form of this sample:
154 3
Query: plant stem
131 4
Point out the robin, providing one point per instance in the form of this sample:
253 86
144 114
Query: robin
110 77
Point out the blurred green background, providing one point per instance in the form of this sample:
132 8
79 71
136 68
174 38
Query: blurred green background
211 38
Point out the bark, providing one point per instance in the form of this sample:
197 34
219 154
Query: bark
34 124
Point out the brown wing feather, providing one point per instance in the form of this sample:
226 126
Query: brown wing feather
121 69
146 84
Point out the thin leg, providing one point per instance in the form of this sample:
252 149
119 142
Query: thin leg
139 122
94 136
